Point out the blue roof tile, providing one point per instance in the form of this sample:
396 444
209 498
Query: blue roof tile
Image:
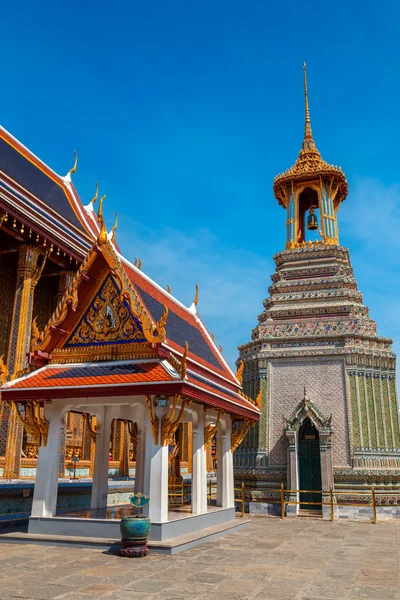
180 331
30 177
100 371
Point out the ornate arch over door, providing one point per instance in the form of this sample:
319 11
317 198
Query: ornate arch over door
306 409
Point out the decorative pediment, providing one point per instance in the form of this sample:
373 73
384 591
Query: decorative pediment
116 315
307 409
108 320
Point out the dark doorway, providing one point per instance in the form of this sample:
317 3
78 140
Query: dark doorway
309 466
308 199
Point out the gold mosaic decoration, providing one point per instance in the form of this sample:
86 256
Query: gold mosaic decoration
108 320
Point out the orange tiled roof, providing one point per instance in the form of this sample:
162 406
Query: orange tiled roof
93 374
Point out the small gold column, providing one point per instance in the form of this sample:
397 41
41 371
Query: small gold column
123 450
28 275
190 451
61 468
92 447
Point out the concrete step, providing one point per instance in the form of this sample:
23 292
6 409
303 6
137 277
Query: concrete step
171 546
310 512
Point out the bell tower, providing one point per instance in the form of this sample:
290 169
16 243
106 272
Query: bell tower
315 359
310 187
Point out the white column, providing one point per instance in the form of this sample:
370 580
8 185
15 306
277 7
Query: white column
140 458
156 477
105 415
199 465
44 502
225 492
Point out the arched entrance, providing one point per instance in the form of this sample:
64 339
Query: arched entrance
309 465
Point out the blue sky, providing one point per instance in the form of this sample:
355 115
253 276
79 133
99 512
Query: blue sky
184 112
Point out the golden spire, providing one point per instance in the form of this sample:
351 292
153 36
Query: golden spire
307 126
309 163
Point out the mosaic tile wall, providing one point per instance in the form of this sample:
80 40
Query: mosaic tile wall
316 332
325 387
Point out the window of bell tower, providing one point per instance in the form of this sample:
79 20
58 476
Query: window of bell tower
308 215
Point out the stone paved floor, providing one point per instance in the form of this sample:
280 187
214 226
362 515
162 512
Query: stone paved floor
296 559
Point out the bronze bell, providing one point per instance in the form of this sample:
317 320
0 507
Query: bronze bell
312 222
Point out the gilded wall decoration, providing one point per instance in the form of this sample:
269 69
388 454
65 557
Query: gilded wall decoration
107 320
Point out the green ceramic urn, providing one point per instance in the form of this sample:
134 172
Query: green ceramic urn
135 530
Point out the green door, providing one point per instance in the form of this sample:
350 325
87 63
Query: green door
309 465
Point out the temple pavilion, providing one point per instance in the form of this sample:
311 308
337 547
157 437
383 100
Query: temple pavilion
118 347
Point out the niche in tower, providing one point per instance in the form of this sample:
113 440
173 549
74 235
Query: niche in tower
308 200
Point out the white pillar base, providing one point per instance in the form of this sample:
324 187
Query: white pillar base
225 484
156 478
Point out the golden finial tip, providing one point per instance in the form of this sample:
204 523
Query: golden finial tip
114 229
196 298
103 232
75 164
94 199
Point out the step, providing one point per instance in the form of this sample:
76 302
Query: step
171 546
310 512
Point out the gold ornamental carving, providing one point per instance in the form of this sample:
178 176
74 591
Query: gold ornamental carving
3 370
211 429
154 331
239 372
169 424
180 365
98 353
154 421
73 452
239 434
107 320
32 420
91 426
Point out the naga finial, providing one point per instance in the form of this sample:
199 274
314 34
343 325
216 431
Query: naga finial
196 297
114 228
168 289
94 199
75 164
103 231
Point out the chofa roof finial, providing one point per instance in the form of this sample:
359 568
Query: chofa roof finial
103 231
75 164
